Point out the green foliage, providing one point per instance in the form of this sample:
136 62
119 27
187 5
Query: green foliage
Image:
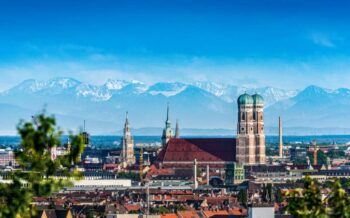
129 175
270 192
308 202
338 201
267 194
180 208
271 151
279 196
321 157
163 210
336 154
38 169
242 197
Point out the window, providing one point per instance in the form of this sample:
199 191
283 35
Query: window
243 116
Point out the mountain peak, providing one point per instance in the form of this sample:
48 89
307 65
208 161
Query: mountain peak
116 84
315 88
28 86
63 82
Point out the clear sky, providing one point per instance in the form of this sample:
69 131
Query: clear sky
281 43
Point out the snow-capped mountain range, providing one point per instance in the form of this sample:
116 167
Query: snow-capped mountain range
202 105
106 91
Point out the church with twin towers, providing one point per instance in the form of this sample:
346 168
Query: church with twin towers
248 148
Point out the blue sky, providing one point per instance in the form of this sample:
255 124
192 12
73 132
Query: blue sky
281 43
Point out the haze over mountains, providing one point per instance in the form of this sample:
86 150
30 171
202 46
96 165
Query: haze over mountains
202 108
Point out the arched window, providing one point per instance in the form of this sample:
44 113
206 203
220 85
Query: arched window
243 116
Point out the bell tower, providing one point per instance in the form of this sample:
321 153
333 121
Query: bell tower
167 132
259 132
127 155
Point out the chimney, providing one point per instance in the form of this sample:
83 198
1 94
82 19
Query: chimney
280 137
315 153
195 184
208 175
141 164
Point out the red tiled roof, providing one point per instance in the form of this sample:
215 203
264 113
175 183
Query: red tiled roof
190 214
238 211
216 213
202 149
170 215
132 207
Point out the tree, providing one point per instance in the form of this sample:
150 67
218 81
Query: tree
336 154
279 196
308 202
321 157
38 168
338 201
270 192
242 197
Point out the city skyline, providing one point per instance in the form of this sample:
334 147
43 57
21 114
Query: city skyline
284 44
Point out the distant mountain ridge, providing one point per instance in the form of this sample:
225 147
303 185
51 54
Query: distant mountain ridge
104 92
198 105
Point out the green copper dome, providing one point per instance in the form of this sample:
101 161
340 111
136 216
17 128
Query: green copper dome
245 99
258 99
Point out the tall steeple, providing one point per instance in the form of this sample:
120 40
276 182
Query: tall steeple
167 132
177 130
167 122
127 156
126 125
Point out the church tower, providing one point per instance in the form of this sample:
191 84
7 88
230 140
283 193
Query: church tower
167 132
250 144
258 119
127 156
245 145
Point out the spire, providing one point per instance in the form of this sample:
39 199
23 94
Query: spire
177 130
127 119
167 132
167 114
127 131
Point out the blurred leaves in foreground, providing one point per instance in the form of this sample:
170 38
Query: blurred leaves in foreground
40 172
309 202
